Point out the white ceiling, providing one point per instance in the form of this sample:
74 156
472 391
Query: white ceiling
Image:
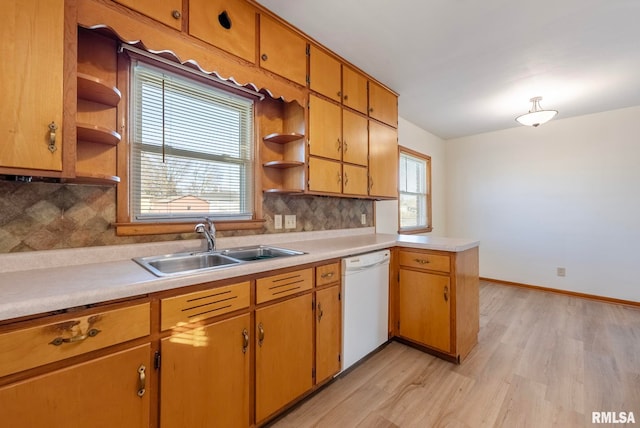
464 67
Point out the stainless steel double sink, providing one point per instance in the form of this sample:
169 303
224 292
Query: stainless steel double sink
188 263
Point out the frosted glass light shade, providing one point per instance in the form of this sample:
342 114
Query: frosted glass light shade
536 115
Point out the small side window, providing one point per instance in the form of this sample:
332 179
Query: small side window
414 192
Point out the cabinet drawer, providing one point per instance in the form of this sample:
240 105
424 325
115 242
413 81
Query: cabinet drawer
327 274
427 261
197 306
285 284
36 346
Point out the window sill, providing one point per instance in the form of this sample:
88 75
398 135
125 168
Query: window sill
415 231
134 229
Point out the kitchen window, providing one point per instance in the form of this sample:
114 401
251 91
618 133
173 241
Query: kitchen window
191 149
414 192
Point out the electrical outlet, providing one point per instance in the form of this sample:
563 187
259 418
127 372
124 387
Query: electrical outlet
561 271
363 219
290 221
277 221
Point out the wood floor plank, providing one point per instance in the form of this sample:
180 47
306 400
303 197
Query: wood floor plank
542 360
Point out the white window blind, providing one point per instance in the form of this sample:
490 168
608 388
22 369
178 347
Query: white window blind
191 149
413 192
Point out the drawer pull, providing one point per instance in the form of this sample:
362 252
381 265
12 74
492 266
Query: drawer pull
245 341
327 275
421 261
142 378
260 334
60 340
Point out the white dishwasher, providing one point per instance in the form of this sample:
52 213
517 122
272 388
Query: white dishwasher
365 305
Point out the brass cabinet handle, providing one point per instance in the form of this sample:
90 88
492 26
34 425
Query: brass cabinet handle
79 338
264 57
176 14
339 144
260 334
339 176
421 261
346 179
446 293
142 380
345 146
245 341
370 183
52 137
320 312
327 275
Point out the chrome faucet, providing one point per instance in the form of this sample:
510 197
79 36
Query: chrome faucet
209 232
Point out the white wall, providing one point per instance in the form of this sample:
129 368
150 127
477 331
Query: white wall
566 194
415 138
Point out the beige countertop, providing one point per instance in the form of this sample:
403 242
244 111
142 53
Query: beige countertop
44 281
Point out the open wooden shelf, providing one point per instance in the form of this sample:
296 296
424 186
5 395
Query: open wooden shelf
97 134
95 89
282 138
282 164
283 191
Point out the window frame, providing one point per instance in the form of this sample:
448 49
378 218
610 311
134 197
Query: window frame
125 225
427 160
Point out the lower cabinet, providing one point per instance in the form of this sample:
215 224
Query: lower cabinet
104 392
205 375
284 353
328 332
438 300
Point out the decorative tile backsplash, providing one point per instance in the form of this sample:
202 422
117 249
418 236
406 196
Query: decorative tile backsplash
43 216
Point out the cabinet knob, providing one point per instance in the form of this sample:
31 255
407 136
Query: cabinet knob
245 341
52 137
264 57
260 334
370 109
142 380
346 97
339 94
176 14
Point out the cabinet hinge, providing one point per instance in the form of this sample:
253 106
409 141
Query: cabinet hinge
339 296
156 360
339 357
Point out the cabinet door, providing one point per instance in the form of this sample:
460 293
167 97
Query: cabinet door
354 89
32 34
425 308
328 332
324 74
354 180
325 136
231 26
383 105
99 393
282 51
325 175
284 354
169 12
204 379
355 138
383 161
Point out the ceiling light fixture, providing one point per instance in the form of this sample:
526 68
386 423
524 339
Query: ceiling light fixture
536 116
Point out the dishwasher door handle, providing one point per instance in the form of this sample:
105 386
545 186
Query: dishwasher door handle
361 268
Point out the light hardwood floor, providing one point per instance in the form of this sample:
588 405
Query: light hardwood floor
543 360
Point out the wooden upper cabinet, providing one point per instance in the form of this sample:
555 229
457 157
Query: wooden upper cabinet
325 175
355 138
231 26
354 180
383 161
324 128
354 89
32 49
324 73
383 104
282 51
169 12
